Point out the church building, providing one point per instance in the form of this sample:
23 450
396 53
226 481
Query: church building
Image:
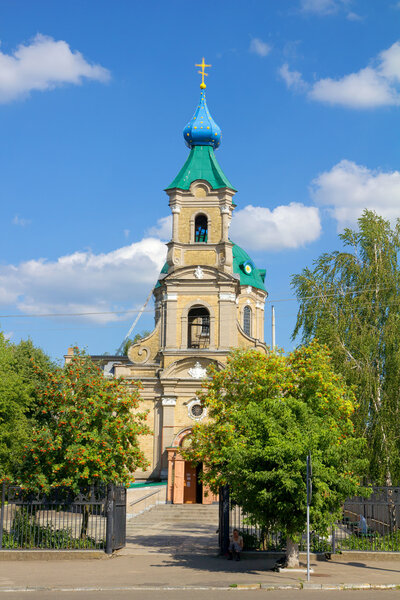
209 298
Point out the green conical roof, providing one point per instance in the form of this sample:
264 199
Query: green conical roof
201 164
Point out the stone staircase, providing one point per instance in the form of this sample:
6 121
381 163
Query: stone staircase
173 529
173 515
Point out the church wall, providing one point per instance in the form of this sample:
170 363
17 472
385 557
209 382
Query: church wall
200 257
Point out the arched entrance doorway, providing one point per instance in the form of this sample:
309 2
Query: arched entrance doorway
184 485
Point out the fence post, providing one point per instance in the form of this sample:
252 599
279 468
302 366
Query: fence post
3 501
110 518
333 544
224 519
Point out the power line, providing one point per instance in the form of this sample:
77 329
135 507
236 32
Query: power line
136 311
81 314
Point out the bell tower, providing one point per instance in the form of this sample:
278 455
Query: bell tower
209 298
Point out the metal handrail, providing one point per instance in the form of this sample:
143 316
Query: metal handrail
144 497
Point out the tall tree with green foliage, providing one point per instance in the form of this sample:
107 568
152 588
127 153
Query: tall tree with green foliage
14 403
19 385
350 302
88 429
266 414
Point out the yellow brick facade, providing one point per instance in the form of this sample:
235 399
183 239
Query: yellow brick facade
199 307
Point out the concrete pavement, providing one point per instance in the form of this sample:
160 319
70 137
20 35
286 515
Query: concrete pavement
170 549
195 595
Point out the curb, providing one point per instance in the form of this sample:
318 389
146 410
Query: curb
16 555
239 586
350 586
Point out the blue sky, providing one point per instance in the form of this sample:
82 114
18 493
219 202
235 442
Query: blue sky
93 99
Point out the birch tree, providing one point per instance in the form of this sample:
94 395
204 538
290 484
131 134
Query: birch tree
350 301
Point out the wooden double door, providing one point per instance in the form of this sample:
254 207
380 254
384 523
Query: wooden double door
193 488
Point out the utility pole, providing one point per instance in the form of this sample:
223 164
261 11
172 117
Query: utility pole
273 327
309 494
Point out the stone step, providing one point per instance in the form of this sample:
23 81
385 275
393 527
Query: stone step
148 518
175 514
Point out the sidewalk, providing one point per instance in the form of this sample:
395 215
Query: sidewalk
171 549
161 571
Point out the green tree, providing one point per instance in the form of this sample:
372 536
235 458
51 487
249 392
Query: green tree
89 428
32 365
14 404
350 302
266 414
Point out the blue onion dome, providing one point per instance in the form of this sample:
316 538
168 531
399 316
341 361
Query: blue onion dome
202 130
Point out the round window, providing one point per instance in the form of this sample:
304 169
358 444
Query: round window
196 410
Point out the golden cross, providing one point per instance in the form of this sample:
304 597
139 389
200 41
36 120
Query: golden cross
203 73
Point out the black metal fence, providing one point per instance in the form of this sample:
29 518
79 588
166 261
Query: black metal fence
368 524
94 519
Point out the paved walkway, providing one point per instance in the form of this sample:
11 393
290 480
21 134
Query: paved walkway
189 529
166 550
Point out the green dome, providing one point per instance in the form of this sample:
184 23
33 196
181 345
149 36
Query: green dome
255 277
240 258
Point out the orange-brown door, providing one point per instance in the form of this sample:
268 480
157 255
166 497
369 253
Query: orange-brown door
189 494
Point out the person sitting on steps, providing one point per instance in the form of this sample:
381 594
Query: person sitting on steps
235 545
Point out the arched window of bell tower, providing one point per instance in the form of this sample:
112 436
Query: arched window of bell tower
247 320
198 327
201 228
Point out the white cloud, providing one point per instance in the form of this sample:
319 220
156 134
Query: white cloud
290 226
323 8
84 281
43 65
17 220
352 16
293 79
259 47
365 89
163 229
375 85
320 7
347 189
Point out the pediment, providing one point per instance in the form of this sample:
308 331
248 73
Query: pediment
199 273
190 368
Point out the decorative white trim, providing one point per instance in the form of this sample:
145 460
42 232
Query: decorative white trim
191 415
249 289
260 305
248 301
197 372
168 401
227 296
176 210
171 296
199 273
225 210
